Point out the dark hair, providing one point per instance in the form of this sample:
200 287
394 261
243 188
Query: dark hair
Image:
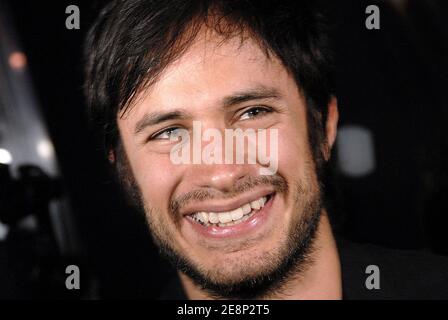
133 41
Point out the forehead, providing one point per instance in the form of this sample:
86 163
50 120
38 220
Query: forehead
209 70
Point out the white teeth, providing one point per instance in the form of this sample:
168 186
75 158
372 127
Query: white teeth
203 217
213 217
237 214
255 205
224 217
229 218
246 209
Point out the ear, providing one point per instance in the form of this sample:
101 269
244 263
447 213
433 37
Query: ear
331 127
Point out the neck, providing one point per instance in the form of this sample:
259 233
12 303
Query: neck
320 281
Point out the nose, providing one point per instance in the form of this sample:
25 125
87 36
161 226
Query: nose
220 177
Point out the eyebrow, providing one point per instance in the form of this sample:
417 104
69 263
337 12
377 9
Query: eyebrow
257 93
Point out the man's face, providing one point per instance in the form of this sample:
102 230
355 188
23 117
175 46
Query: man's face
207 84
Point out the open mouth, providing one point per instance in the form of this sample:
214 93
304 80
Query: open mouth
230 218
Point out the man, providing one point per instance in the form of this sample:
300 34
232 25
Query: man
163 71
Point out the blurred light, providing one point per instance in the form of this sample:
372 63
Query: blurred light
5 156
29 223
356 151
45 149
4 229
17 60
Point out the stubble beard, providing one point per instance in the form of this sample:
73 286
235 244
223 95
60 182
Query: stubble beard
274 270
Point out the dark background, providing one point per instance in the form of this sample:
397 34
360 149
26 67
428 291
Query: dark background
392 81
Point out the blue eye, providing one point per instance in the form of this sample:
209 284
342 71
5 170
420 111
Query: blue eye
167 134
255 112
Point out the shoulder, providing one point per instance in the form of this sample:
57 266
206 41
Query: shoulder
403 274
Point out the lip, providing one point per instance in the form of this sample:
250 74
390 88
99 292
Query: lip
256 221
225 204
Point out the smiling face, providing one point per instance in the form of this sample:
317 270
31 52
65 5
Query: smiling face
225 225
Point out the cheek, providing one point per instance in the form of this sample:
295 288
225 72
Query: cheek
293 151
156 176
